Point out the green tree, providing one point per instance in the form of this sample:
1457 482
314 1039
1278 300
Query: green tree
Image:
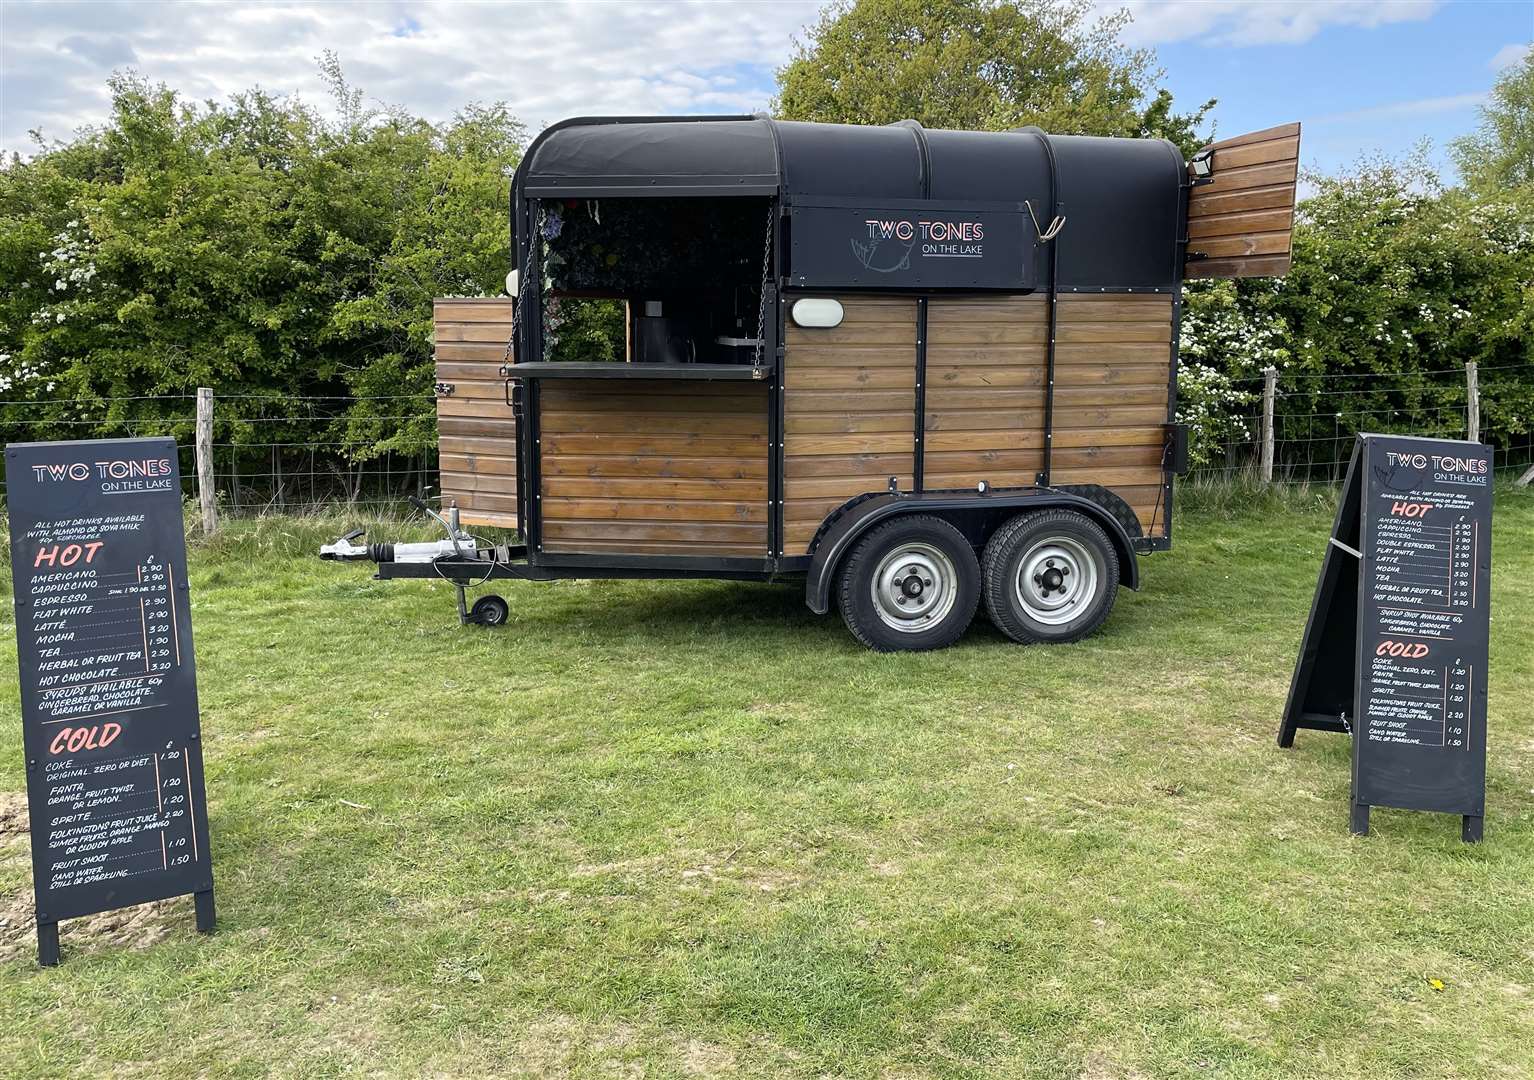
252 246
980 65
1500 153
1396 283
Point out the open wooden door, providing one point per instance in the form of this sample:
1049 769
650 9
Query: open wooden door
1241 217
476 433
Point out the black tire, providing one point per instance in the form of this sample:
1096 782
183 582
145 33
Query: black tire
909 585
1050 577
490 610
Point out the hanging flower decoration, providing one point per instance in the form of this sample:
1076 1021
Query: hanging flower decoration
553 224
649 247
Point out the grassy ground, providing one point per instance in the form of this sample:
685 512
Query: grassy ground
674 829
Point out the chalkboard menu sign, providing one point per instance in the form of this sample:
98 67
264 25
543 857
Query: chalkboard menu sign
1395 650
108 686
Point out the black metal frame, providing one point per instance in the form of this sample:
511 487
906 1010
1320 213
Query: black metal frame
1168 469
775 421
919 462
473 572
775 406
1054 309
551 369
1046 473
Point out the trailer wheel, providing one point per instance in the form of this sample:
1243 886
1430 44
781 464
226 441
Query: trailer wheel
490 610
910 585
1050 576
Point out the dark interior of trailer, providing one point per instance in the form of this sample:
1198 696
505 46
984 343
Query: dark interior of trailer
654 280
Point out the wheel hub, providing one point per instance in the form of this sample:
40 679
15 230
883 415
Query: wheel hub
914 587
1052 579
1057 580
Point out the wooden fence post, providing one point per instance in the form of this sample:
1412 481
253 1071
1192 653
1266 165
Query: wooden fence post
205 493
1269 392
1473 402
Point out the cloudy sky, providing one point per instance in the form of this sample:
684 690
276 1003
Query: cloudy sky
1361 76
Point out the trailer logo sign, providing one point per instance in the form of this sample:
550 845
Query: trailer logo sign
892 242
986 249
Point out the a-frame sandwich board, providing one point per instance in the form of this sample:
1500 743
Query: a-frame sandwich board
1396 646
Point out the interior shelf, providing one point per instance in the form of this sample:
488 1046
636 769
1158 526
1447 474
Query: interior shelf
717 372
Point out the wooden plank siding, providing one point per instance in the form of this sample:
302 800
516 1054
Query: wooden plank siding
1114 434
849 412
986 378
1242 221
986 381
477 437
654 468
666 468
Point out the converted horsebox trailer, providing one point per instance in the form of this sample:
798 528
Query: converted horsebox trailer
916 370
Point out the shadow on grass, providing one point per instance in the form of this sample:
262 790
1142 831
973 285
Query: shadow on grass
667 610
676 611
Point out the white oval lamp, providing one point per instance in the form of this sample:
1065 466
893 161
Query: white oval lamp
817 313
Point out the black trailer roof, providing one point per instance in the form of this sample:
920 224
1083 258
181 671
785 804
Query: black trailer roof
615 156
1122 198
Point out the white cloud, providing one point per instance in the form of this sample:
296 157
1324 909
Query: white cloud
546 60
1247 22
1419 107
1508 55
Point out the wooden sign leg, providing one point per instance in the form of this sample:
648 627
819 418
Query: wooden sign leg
204 902
1360 821
47 944
1471 827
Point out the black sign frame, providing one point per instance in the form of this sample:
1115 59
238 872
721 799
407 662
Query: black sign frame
911 244
1396 645
116 797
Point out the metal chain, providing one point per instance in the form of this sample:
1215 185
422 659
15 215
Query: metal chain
524 282
761 307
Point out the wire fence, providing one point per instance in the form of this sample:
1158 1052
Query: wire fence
1315 417
288 455
315 454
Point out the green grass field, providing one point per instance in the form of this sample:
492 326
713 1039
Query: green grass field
672 829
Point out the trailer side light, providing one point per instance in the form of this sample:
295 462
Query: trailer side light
817 313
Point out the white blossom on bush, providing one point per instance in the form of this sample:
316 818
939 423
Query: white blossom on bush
71 262
1223 349
17 377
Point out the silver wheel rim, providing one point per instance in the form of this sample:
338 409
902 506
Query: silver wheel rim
914 588
1058 580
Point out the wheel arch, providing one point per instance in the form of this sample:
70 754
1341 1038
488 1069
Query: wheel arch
974 514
